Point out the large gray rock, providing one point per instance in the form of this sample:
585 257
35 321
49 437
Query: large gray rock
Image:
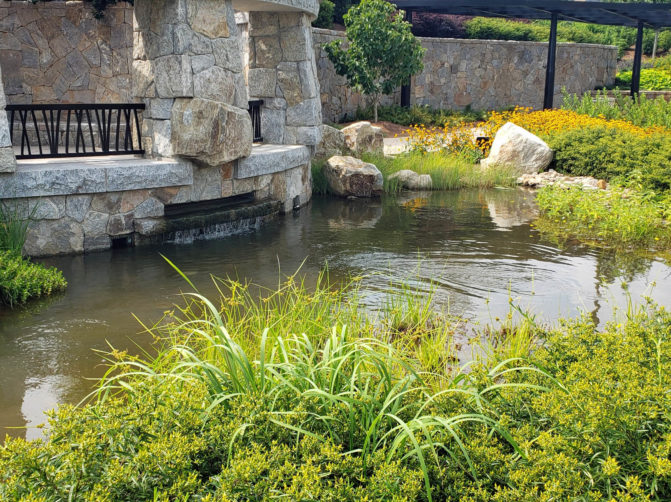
348 176
332 143
517 147
363 137
411 180
210 132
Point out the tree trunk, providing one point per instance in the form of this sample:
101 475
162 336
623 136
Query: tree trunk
375 99
654 45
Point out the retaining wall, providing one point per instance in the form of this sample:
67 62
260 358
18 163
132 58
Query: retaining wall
482 74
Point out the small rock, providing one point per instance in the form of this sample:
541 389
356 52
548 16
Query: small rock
602 184
363 137
517 147
411 180
348 176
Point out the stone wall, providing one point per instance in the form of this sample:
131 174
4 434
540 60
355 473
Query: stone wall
482 74
57 52
187 67
282 72
7 159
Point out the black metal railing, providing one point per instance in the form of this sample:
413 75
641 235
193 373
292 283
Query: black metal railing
255 113
74 130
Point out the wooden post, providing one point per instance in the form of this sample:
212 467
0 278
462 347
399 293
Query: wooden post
550 68
638 54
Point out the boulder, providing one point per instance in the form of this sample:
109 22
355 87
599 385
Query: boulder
411 180
519 148
332 143
210 132
348 176
363 137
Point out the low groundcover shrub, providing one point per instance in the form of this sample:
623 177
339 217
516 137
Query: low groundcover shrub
355 413
22 280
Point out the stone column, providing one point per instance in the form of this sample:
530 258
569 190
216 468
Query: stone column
282 72
7 159
187 66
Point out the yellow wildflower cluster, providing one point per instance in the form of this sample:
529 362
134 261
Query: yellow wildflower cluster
544 123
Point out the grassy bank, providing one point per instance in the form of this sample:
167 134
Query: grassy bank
619 217
298 394
448 171
20 279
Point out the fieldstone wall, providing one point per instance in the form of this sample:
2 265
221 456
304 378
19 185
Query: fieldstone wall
482 74
57 52
7 159
187 66
281 71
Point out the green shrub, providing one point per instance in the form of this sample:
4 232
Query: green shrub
22 280
652 79
606 152
325 17
502 29
421 114
587 408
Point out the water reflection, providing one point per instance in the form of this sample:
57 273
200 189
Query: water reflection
477 248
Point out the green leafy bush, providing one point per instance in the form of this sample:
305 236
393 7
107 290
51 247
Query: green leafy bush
325 17
22 280
421 114
652 79
609 153
256 416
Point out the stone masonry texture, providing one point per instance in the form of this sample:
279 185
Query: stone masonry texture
57 52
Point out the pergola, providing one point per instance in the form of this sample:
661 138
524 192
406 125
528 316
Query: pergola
635 15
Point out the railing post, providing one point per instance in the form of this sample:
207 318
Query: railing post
548 99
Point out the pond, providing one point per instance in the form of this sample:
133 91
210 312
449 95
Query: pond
477 249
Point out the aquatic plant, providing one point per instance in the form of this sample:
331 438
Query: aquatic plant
617 217
22 280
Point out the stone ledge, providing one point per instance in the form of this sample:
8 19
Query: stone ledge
309 6
269 159
44 178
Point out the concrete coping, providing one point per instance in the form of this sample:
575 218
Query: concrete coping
269 159
82 175
308 6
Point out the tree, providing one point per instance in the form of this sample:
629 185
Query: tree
382 52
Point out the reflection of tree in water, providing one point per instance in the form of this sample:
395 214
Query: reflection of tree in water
621 265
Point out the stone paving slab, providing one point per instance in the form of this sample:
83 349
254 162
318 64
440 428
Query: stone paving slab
81 175
269 159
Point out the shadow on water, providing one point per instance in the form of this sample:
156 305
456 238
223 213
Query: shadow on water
476 248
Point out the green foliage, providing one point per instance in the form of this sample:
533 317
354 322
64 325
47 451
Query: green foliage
325 17
421 114
22 280
539 31
640 111
382 52
614 218
609 153
448 171
243 415
652 79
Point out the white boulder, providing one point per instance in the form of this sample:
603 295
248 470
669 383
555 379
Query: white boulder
364 137
517 147
348 176
411 180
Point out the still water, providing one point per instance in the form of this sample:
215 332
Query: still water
477 248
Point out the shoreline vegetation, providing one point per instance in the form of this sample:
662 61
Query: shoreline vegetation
298 393
22 280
